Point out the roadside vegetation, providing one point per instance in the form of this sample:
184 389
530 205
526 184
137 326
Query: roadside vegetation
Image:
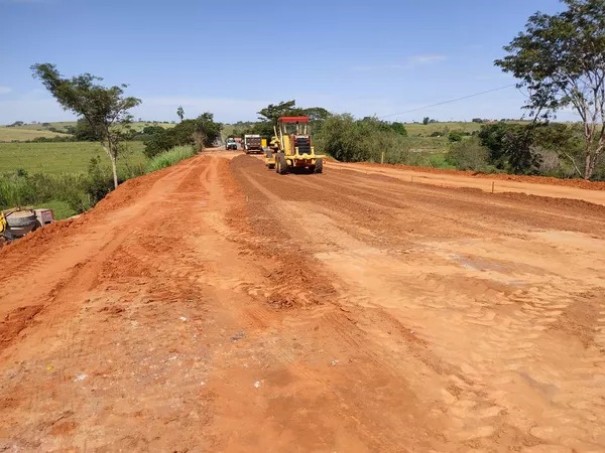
66 170
168 158
72 186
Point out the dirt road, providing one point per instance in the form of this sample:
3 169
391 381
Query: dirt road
217 306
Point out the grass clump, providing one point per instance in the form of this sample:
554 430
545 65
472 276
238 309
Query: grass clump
168 158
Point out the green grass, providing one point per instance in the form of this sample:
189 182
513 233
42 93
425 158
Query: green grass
168 158
421 130
61 209
61 158
10 134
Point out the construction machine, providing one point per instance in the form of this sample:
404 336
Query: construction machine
292 148
18 222
5 233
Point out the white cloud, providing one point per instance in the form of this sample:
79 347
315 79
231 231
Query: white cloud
408 63
421 60
5 90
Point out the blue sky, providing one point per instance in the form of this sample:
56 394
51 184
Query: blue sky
232 57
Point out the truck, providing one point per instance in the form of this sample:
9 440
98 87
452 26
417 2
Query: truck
253 144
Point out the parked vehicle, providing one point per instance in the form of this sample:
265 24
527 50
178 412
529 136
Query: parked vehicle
230 144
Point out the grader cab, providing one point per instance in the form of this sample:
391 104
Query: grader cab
292 148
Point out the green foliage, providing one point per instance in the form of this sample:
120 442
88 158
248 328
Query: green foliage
561 60
269 115
83 132
200 132
180 112
350 140
272 112
399 128
169 158
511 147
37 189
455 136
468 155
104 108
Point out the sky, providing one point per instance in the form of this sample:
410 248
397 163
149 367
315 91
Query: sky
389 58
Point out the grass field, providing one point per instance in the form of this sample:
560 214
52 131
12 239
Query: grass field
9 134
421 130
60 158
32 131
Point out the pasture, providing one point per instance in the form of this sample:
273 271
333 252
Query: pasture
62 157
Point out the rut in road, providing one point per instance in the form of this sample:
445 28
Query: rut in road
218 306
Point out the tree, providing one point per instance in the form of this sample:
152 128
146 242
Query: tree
82 131
561 60
511 146
399 128
104 108
180 112
426 120
200 132
271 113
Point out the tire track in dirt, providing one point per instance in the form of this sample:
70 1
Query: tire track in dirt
219 306
506 315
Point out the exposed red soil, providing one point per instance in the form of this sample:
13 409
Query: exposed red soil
576 182
218 306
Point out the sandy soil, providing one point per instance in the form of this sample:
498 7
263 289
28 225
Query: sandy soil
218 306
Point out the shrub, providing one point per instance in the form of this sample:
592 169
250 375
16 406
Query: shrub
468 155
351 140
455 136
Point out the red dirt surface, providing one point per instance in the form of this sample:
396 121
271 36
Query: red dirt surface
579 183
218 306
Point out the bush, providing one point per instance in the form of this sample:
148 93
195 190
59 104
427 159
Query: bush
455 136
200 132
468 155
350 140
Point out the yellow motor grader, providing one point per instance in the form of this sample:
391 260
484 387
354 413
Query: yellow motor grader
291 148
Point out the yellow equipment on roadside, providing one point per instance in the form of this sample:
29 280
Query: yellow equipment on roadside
3 223
291 148
5 233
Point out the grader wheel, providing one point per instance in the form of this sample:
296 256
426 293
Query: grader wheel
319 166
281 165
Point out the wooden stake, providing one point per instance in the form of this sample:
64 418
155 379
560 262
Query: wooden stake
492 186
382 158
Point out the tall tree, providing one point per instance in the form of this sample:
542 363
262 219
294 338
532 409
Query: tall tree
180 112
285 108
104 108
561 60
